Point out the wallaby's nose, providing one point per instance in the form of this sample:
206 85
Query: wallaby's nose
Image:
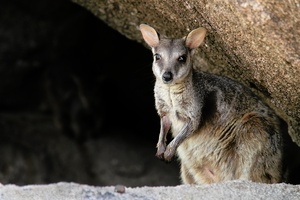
167 77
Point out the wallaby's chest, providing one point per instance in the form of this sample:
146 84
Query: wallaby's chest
177 103
173 99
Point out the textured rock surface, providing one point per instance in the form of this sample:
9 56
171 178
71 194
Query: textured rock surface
255 42
228 190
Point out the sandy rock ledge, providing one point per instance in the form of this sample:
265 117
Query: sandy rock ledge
226 190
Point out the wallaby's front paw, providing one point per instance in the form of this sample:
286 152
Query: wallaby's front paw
160 151
169 153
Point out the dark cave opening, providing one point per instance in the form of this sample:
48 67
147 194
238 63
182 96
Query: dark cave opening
76 100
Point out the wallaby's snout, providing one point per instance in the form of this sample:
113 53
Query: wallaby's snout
167 77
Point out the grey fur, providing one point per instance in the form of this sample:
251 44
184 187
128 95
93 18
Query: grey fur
221 130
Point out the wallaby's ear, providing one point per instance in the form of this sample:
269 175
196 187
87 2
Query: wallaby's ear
150 35
195 38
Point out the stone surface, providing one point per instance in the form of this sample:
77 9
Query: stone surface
228 190
255 42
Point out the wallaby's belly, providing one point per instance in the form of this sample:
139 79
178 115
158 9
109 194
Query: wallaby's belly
200 161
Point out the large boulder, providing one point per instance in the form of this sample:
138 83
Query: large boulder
255 42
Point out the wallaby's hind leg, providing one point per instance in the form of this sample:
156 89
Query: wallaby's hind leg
262 136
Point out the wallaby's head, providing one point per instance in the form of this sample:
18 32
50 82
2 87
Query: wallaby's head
172 57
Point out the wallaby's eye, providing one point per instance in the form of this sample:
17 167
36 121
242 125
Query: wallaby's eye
182 59
157 57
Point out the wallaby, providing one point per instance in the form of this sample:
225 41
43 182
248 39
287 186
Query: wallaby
221 130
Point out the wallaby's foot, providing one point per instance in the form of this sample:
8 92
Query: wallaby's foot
165 153
161 148
169 153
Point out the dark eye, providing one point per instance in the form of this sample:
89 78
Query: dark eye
157 57
182 59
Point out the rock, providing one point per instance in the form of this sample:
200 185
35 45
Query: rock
120 189
227 190
255 42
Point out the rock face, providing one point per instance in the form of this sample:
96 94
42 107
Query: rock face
255 42
228 190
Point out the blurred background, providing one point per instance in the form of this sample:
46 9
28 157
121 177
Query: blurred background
76 100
